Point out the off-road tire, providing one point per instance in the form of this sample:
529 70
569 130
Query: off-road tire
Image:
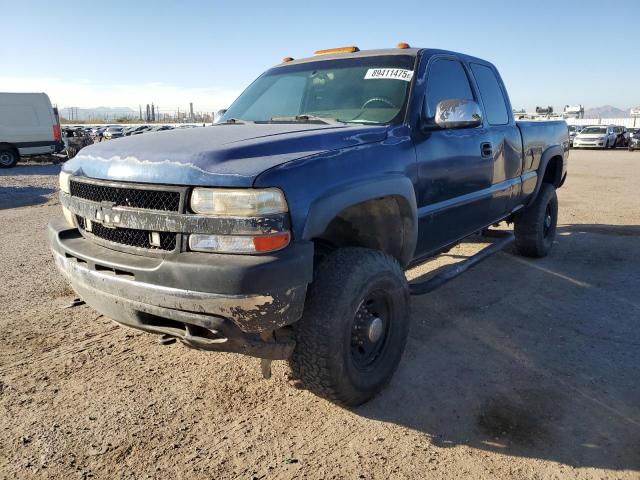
322 361
8 157
533 237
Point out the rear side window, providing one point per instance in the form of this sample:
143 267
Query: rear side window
494 103
447 80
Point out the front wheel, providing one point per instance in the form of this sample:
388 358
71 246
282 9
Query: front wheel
354 327
8 158
535 228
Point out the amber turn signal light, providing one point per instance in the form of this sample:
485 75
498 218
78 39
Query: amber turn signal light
269 243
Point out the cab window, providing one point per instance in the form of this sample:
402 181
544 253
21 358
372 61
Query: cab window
446 80
493 99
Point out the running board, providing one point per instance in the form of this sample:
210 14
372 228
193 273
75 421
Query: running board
504 239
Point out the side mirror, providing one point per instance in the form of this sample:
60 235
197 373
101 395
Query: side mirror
219 114
457 113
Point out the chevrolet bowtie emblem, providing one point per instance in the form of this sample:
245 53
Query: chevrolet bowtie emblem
106 216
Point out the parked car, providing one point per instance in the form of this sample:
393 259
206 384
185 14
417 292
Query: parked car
634 139
282 232
113 132
137 130
622 136
161 128
28 126
596 136
573 131
75 139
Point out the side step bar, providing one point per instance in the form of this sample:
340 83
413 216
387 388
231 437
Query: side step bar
504 239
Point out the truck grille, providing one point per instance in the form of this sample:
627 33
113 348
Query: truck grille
129 236
165 200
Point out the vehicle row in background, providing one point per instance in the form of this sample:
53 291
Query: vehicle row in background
601 136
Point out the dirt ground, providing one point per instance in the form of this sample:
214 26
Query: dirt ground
525 369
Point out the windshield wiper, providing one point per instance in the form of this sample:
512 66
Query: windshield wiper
362 122
232 121
304 118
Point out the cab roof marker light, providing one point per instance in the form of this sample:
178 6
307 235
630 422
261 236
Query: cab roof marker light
337 50
287 59
403 45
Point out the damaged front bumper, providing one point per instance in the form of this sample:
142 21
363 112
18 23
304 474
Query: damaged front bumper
233 303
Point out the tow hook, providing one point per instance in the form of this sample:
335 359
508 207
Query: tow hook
265 363
166 340
265 367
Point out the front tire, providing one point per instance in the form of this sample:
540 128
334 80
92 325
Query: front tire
8 158
535 228
354 327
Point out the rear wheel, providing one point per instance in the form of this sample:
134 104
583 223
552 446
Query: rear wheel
535 228
8 157
354 328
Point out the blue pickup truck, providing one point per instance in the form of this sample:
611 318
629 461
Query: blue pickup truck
283 231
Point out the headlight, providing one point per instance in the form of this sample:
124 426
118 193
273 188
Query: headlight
238 202
64 181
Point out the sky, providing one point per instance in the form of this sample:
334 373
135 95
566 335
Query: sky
126 53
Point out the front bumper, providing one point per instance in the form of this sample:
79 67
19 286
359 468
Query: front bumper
589 144
209 301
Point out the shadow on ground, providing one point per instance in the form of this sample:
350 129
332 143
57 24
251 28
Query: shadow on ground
531 357
30 169
12 197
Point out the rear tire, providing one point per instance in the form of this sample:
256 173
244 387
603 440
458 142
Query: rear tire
535 228
8 157
354 327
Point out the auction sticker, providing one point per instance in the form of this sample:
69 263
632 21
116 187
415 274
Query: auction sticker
389 73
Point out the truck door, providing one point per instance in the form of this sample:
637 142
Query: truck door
455 166
505 139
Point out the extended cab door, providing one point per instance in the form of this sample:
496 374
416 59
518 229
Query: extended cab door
505 139
455 166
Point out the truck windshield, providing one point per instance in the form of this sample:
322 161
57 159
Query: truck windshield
369 90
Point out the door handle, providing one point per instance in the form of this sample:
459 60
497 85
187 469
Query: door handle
486 149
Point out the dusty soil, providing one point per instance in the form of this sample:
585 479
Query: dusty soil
517 369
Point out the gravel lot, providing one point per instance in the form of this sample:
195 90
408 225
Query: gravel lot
517 369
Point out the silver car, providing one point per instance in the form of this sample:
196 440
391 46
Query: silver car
114 132
597 136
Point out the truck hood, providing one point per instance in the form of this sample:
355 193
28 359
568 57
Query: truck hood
227 155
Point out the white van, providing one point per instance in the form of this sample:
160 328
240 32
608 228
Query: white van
28 126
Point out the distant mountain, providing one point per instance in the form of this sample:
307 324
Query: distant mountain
606 112
106 113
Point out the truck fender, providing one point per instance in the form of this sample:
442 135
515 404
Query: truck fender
548 154
323 210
